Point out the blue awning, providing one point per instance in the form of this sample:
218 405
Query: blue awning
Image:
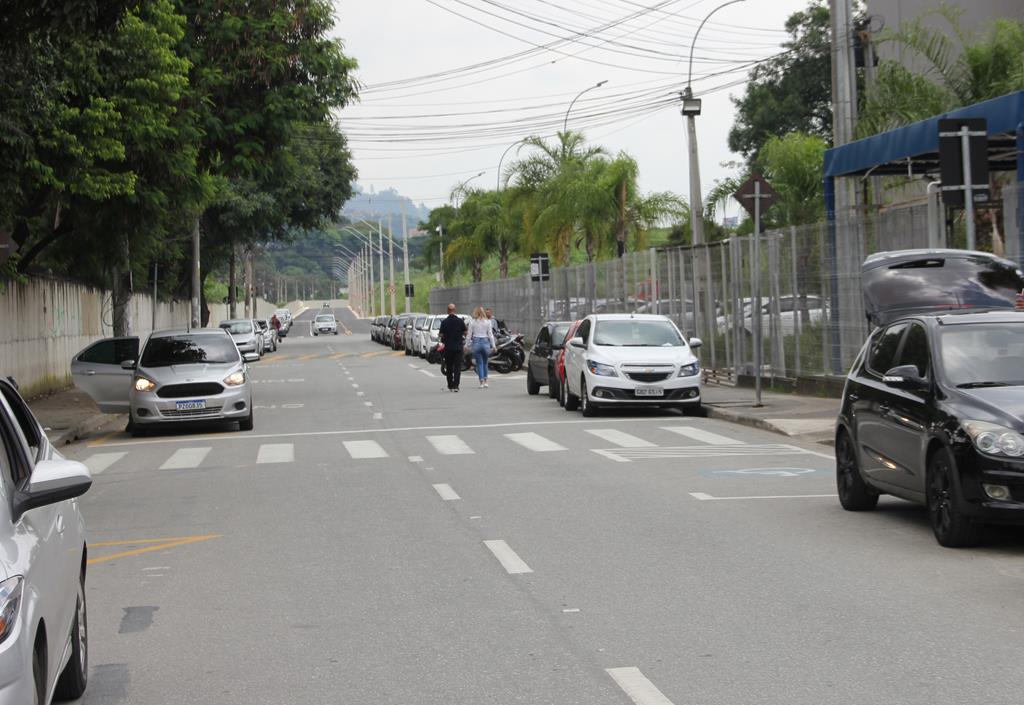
916 146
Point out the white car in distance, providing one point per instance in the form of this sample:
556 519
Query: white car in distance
325 323
631 360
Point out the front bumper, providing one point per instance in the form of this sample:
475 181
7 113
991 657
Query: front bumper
233 403
251 346
326 329
622 391
977 470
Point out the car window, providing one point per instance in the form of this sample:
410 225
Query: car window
584 331
237 327
436 323
14 463
112 351
23 417
882 357
558 333
915 350
637 333
983 353
189 350
544 336
324 318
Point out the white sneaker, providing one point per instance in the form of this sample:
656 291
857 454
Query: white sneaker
485 384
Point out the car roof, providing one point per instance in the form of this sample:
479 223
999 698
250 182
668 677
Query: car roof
598 317
171 332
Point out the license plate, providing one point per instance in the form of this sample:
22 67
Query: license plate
650 392
190 404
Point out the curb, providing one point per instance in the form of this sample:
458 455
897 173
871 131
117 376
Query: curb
765 425
80 429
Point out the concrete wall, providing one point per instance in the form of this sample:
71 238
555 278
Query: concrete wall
44 322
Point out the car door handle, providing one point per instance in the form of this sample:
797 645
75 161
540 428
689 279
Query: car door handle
884 409
90 373
60 523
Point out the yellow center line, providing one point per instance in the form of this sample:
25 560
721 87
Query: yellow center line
104 438
166 543
307 357
400 353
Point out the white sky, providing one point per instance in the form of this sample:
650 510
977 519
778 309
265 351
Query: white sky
423 137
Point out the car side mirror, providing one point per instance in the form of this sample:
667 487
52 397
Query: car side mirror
904 377
695 343
52 481
127 364
577 343
251 357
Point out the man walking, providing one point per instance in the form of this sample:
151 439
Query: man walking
452 334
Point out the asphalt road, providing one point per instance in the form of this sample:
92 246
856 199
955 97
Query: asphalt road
378 541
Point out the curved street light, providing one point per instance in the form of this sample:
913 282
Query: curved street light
503 154
565 123
461 186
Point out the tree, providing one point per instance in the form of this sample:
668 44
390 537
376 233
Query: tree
791 92
793 165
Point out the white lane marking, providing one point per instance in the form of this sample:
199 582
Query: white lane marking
571 610
702 436
365 449
378 416
185 458
360 394
708 451
428 373
446 492
635 684
415 459
413 366
508 558
704 496
619 438
450 445
158 567
534 442
275 453
101 461
367 403
355 386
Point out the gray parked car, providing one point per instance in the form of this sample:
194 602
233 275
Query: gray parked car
182 376
246 335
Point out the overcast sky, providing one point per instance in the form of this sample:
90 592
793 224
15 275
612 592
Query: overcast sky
448 85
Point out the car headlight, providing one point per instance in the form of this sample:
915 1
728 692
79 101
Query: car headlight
10 605
601 370
993 439
234 379
689 370
143 384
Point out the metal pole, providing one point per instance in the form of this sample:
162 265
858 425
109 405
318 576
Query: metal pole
155 272
405 258
696 205
391 258
755 309
380 249
653 307
196 318
965 147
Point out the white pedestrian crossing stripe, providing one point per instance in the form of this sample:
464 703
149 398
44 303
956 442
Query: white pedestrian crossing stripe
534 442
446 492
185 458
702 436
450 445
360 450
101 461
623 440
627 455
275 453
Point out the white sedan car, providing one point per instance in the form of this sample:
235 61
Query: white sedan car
325 323
631 360
44 651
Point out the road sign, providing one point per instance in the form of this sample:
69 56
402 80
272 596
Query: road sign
539 267
753 189
391 288
7 247
960 141
409 291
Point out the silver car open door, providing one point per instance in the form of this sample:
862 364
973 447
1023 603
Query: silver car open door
97 371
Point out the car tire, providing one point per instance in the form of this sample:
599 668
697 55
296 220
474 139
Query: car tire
587 407
696 410
561 394
38 678
315 334
552 384
408 352
335 332
532 388
75 676
247 423
572 402
952 528
855 495
135 428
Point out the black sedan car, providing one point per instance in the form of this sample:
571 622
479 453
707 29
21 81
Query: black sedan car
540 365
933 408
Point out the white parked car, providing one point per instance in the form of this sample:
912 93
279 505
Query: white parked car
789 308
631 360
44 648
324 323
421 335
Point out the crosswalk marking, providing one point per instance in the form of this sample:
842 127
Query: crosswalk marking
627 455
508 558
446 492
365 449
101 461
702 436
275 453
185 458
450 445
619 438
636 685
534 442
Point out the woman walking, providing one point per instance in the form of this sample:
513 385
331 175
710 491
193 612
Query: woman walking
482 342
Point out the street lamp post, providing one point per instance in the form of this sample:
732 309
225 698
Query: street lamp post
565 123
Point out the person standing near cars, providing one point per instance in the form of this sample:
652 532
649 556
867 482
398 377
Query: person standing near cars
482 342
495 324
452 334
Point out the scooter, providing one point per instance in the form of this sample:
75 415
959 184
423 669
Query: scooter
510 355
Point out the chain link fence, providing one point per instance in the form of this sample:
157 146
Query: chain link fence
788 302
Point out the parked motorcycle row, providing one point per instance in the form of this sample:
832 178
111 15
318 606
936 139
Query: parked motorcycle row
417 334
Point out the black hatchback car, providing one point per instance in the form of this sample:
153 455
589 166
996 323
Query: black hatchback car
540 365
933 408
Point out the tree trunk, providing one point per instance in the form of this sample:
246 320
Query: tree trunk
121 295
503 260
64 228
232 294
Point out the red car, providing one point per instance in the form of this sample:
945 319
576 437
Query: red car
559 391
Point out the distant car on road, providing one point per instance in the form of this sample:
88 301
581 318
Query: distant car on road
44 646
412 329
246 335
540 364
324 323
268 333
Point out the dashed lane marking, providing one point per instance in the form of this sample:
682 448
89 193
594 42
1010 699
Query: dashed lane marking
703 496
509 559
446 492
636 685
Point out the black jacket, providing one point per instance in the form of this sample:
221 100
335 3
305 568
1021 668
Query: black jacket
453 330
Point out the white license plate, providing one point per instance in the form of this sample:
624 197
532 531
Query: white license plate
650 392
190 404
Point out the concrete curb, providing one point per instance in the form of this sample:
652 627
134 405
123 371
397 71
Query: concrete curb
80 429
757 422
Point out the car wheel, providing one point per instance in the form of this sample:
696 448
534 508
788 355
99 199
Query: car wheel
246 424
335 332
315 334
854 494
587 408
531 386
952 528
408 352
697 410
75 676
137 430
572 402
552 384
561 394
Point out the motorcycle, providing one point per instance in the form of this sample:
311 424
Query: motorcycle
510 354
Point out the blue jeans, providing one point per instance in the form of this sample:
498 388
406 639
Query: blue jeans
481 349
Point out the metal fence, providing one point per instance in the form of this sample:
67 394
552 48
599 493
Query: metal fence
795 290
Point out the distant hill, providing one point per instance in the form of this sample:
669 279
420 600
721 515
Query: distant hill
370 205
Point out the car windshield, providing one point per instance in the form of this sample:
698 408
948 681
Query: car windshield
188 350
558 333
325 319
637 333
237 327
983 354
436 324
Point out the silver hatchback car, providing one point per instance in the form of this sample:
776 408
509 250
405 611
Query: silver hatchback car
181 376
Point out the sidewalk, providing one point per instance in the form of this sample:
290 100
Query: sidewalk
808 418
70 414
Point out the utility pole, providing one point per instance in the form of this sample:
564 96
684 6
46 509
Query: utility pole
405 257
232 298
391 257
248 284
696 204
380 249
196 318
